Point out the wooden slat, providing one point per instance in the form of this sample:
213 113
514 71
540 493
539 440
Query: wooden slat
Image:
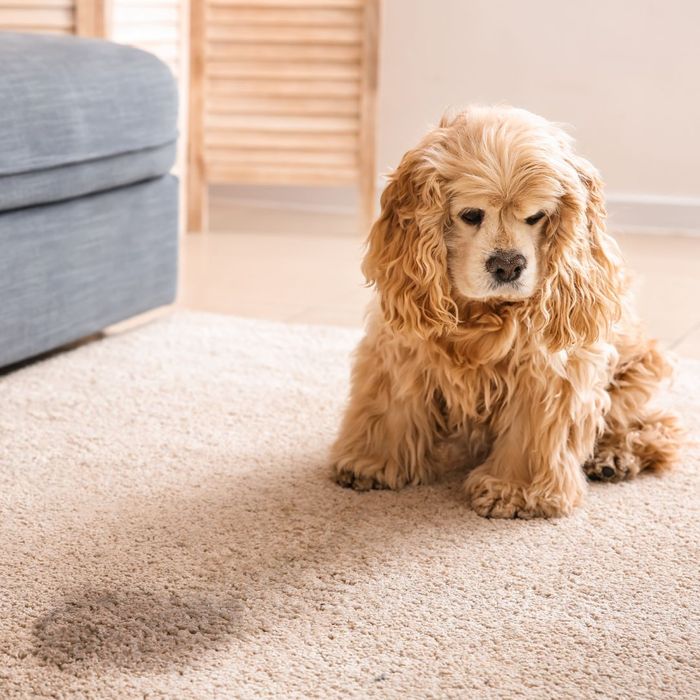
286 88
24 4
324 125
57 18
135 33
51 31
250 34
286 16
284 70
140 4
282 140
217 50
298 106
284 3
166 37
146 13
280 175
130 33
341 159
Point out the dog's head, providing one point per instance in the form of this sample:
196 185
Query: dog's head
494 206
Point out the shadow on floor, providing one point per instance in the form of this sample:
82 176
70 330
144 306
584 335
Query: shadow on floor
181 578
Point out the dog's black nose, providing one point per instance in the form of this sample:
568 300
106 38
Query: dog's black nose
506 265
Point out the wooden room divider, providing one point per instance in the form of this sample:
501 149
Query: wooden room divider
282 92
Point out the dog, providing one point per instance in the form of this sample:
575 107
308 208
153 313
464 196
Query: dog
503 338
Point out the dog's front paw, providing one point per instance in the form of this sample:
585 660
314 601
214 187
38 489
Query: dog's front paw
349 479
365 475
492 497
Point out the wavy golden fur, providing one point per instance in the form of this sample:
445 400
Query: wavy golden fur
537 380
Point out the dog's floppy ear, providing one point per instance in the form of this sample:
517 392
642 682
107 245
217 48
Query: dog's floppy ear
406 254
581 293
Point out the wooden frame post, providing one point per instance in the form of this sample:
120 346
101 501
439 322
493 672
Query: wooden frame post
368 115
197 199
92 18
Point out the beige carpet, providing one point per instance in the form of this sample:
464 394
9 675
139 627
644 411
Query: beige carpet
169 531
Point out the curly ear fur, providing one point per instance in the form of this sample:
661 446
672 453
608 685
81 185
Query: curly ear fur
406 254
581 292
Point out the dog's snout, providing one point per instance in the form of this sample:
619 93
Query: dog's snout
506 265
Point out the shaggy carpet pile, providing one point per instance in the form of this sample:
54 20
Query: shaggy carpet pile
169 530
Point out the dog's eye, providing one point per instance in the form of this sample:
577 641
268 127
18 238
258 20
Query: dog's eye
532 220
473 217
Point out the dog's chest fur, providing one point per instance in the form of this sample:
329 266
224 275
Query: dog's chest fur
491 363
478 370
473 391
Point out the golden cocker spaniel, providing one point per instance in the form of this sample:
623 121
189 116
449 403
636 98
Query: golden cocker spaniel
503 337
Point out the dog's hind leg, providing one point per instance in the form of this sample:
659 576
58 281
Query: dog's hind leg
649 442
636 437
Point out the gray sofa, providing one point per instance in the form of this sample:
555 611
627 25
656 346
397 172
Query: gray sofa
88 209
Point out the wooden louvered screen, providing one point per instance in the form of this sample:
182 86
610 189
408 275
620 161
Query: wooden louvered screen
282 92
85 17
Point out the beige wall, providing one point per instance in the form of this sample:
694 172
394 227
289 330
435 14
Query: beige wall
625 73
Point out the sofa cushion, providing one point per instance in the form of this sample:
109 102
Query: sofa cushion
77 179
80 103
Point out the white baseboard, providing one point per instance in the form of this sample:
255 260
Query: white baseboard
654 214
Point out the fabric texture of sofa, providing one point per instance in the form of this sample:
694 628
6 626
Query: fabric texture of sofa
88 209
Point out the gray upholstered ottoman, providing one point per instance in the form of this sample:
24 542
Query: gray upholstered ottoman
88 211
